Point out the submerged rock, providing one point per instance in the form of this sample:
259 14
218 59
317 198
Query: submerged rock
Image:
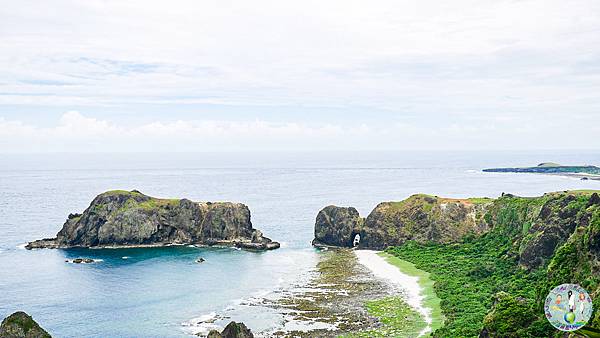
232 330
128 219
21 325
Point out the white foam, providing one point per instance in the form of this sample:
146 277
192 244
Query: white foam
125 257
201 325
22 246
382 269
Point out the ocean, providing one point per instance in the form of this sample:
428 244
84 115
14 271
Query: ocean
162 292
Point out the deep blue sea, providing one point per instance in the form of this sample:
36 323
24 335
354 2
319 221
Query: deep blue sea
157 292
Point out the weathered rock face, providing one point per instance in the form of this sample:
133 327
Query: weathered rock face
232 330
21 325
420 217
123 218
423 218
337 226
558 218
539 225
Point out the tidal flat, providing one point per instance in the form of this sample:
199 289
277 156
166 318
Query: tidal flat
344 299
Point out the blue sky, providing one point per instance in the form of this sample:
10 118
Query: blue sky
104 75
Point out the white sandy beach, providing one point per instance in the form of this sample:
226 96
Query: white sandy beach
382 269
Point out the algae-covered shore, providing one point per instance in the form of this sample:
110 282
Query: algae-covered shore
345 299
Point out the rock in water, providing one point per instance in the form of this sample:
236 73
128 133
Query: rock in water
21 325
129 218
232 330
337 226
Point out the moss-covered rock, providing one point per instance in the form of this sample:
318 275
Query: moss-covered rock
232 330
21 325
337 226
129 218
420 217
423 218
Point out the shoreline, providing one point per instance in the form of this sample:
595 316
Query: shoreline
419 292
339 297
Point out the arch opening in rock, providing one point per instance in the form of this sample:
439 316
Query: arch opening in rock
355 239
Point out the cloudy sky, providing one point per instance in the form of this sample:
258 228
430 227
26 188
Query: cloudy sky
104 75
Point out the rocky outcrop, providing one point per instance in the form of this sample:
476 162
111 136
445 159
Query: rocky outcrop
337 226
232 330
539 225
549 168
421 218
21 325
130 218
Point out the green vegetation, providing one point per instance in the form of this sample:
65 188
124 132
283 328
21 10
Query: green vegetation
488 282
397 319
154 203
550 168
466 278
20 323
122 192
430 301
480 200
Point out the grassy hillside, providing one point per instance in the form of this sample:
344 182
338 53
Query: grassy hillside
497 282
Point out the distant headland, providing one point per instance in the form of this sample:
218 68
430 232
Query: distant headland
581 171
121 218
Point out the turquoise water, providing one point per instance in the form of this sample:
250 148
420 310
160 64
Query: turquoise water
156 292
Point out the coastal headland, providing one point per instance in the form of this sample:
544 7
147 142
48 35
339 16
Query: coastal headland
492 260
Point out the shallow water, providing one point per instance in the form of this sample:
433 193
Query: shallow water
156 291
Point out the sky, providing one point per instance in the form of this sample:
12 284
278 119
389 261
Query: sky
222 75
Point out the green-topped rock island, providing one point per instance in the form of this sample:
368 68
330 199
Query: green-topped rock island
118 218
584 172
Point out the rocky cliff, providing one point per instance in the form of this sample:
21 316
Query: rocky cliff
545 222
232 330
130 218
337 226
420 217
511 251
21 325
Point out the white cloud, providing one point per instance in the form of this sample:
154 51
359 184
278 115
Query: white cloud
75 132
475 63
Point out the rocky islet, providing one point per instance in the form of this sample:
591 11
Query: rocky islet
131 219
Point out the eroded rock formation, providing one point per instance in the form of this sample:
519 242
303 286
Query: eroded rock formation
130 218
21 325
